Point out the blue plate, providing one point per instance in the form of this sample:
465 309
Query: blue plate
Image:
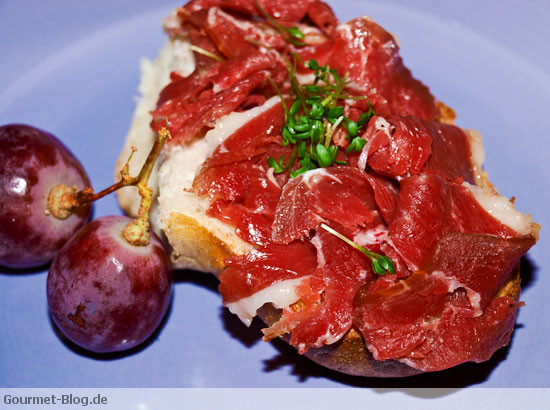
72 68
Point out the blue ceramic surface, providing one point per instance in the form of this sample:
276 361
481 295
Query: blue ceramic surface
72 68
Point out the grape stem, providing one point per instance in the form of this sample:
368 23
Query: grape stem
63 200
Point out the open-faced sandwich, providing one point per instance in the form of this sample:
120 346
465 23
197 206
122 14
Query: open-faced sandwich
327 188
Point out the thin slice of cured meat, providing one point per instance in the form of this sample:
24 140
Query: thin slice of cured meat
451 300
451 153
251 213
322 15
284 10
397 147
459 339
250 225
339 194
219 77
392 318
370 55
258 269
403 146
343 270
479 263
385 194
241 160
189 119
196 37
231 35
415 321
428 207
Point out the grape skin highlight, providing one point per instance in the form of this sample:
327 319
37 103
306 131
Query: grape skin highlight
32 162
105 294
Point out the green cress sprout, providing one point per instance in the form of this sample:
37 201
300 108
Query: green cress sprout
313 118
204 52
381 264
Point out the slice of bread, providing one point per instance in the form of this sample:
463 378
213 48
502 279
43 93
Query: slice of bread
202 243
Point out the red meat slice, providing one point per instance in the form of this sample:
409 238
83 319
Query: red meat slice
480 263
232 36
370 55
283 10
322 15
339 194
342 270
241 158
428 207
189 119
460 339
451 153
260 268
451 299
385 194
405 146
398 147
251 226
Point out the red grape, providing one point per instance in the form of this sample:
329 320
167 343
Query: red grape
105 294
32 162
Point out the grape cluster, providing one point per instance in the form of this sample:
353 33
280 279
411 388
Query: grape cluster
105 293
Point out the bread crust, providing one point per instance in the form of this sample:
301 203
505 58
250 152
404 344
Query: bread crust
195 247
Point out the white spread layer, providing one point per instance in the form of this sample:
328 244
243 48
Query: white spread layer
175 56
281 295
179 167
501 208
182 162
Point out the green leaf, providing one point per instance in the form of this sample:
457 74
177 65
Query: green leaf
317 130
335 112
278 167
271 162
353 128
295 107
317 111
334 153
323 155
379 270
302 150
300 171
296 32
302 127
314 88
356 145
314 65
288 137
303 135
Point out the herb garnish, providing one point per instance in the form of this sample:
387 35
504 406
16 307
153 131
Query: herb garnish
313 118
204 52
381 264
